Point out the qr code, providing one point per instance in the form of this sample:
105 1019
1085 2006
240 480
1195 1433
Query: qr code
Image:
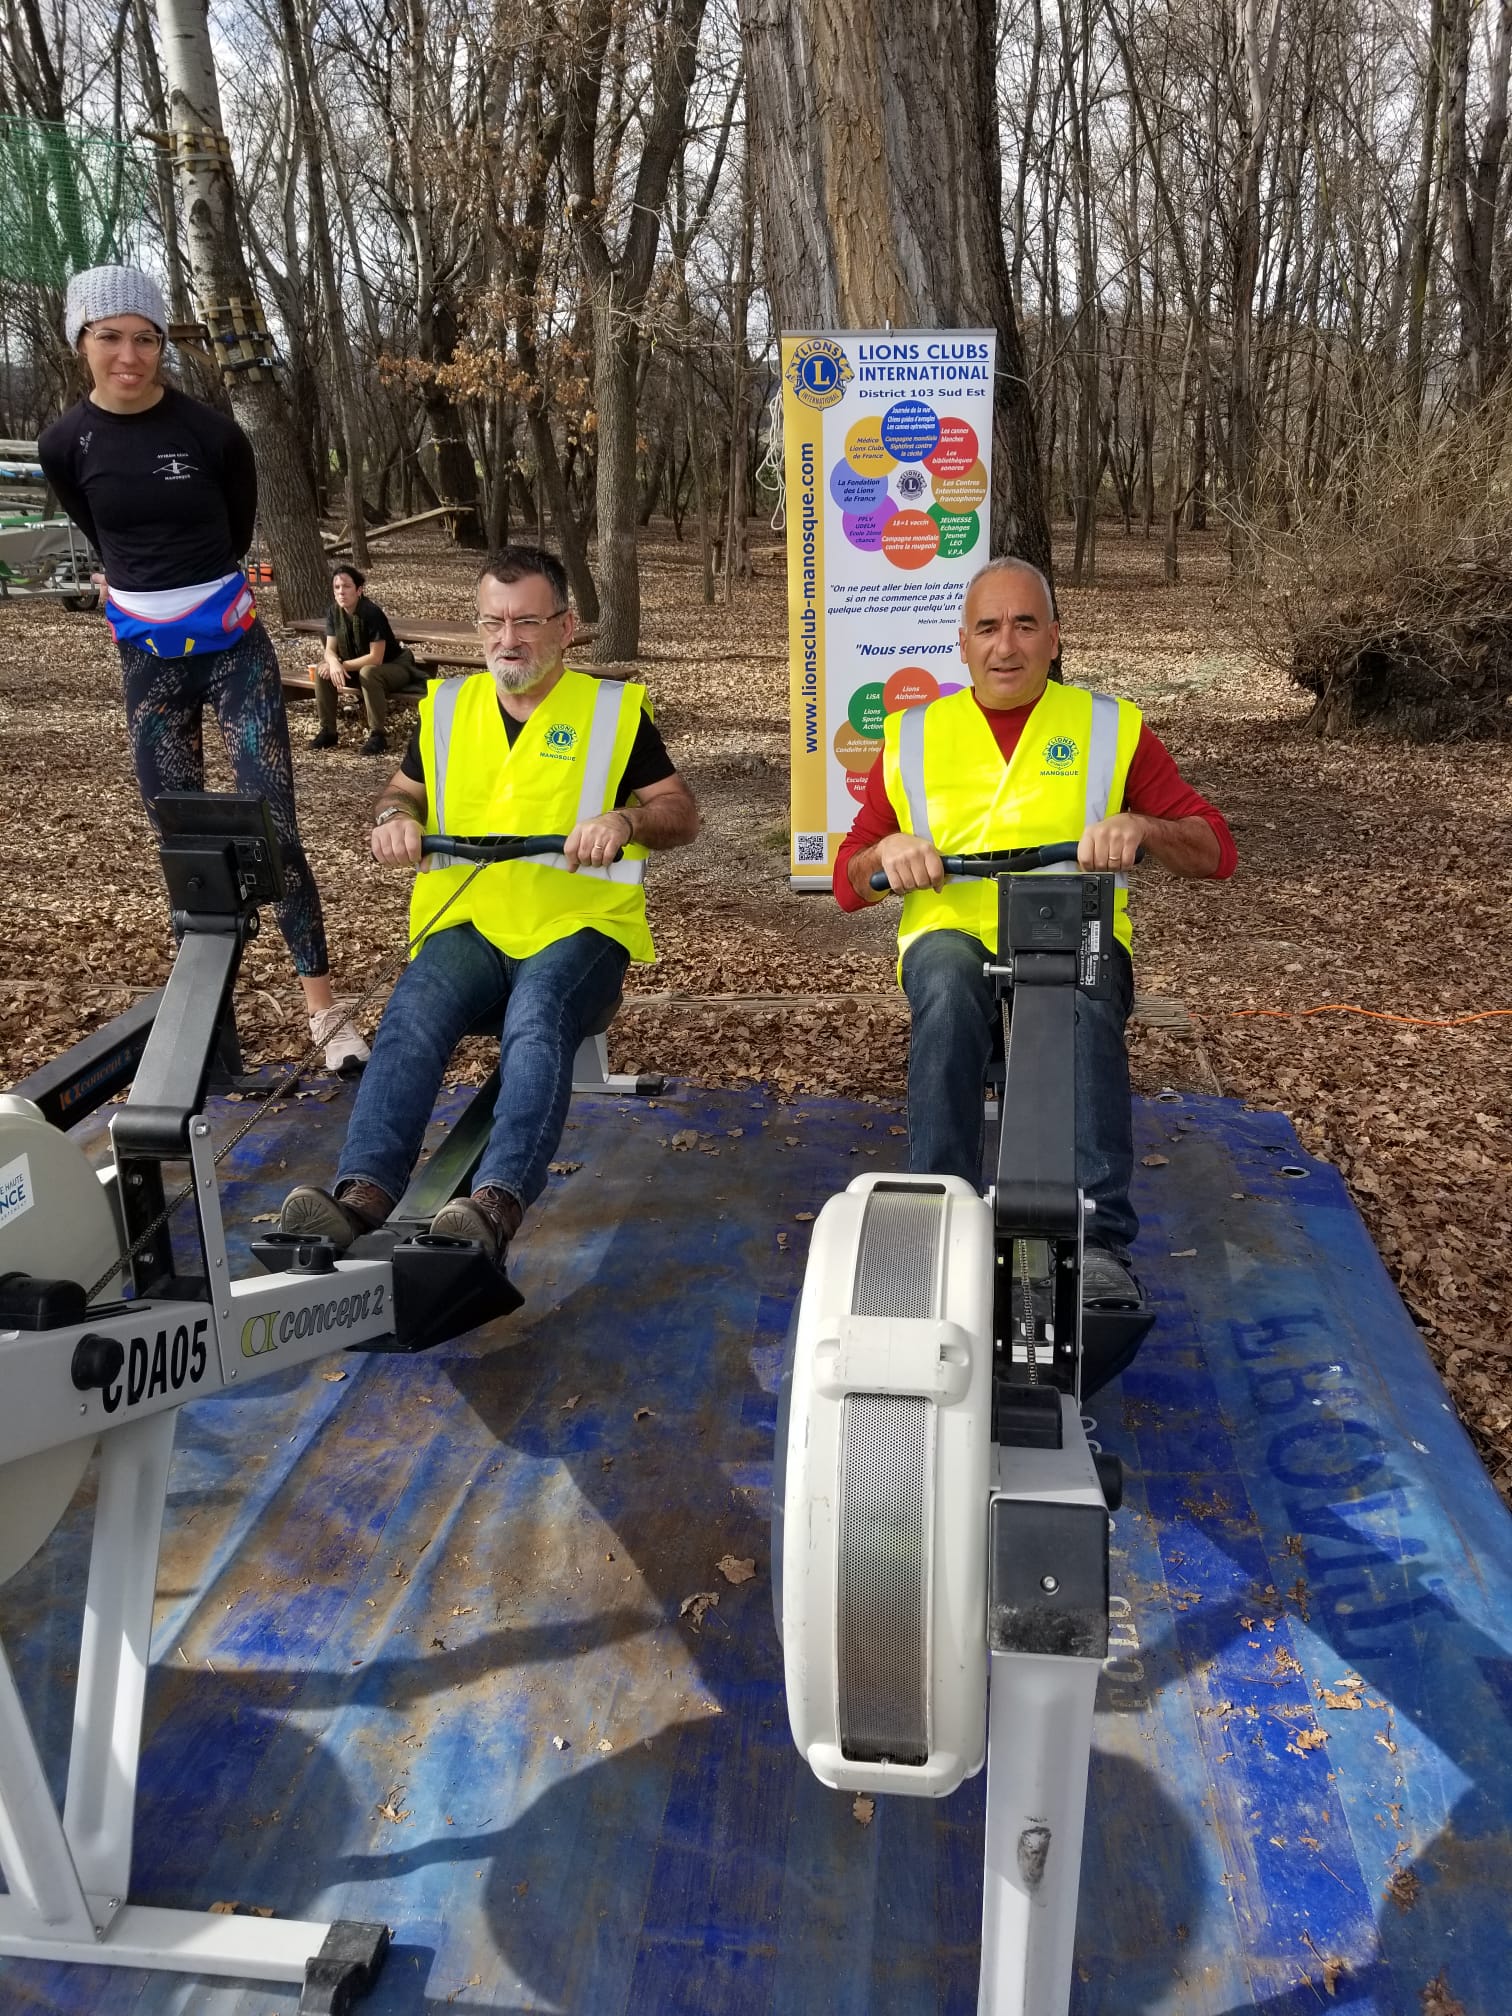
811 847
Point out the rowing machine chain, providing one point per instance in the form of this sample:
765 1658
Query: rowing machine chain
286 1084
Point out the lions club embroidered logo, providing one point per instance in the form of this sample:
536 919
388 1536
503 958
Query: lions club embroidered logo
561 739
1061 754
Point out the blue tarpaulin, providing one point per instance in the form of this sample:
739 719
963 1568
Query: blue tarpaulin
419 1654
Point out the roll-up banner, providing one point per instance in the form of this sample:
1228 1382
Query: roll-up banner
887 440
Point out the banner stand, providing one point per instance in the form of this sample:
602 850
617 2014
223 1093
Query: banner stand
888 462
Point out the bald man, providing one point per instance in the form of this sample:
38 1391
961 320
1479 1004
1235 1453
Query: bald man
1017 760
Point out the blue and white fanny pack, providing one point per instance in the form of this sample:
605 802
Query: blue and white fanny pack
178 622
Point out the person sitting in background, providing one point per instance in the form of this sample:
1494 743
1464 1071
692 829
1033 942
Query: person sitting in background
360 643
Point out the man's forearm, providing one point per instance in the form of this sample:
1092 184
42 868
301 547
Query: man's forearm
413 800
860 869
1185 846
662 822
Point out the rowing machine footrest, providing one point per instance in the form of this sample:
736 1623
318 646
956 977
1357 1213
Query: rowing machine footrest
344 1969
1110 1340
442 1289
294 1253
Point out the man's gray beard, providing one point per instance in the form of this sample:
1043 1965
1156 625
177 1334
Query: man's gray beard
517 678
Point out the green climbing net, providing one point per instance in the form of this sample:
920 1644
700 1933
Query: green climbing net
69 198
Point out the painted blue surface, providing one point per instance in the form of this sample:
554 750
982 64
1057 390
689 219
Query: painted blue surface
397 1588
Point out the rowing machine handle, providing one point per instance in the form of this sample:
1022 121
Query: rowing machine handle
1011 861
496 846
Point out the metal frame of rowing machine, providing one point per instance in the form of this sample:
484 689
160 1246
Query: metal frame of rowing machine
119 1371
1047 1614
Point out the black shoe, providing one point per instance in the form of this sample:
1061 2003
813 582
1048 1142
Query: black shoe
326 739
1106 1281
375 745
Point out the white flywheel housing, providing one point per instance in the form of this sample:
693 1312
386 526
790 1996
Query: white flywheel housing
884 1570
55 1223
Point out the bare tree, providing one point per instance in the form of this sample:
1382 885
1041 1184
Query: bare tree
619 277
230 310
873 215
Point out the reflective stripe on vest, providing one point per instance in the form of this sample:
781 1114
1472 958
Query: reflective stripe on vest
601 738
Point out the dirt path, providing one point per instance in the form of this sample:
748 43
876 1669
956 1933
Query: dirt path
1369 875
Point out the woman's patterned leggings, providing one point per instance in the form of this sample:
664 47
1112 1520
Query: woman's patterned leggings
165 700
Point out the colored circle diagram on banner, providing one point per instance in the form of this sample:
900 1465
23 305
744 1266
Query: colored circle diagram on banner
956 449
910 430
907 687
854 493
863 448
894 463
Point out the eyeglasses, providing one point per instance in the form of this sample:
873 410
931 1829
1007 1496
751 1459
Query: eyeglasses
147 340
524 626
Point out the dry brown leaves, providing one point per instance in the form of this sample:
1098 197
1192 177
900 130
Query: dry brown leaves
1369 873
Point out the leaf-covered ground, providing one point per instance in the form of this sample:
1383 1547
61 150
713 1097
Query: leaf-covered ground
1370 874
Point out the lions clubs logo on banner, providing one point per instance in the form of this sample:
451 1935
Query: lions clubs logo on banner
819 372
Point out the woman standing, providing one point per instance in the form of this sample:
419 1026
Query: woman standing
165 489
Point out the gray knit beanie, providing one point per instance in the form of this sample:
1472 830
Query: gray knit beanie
103 291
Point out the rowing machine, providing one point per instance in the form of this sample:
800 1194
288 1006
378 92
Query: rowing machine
81 1367
942 1543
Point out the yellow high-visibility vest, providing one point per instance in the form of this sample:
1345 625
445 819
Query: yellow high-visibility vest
565 765
947 780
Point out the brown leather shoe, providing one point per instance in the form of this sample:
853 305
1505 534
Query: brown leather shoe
356 1208
491 1216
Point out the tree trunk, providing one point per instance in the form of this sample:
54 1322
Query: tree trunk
616 347
223 288
873 213
620 281
296 49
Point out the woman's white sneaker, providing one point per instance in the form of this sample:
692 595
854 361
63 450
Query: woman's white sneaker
345 1051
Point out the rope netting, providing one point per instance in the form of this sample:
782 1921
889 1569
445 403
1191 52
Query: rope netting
69 198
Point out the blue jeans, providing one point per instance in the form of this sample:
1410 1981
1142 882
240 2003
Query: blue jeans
955 1016
458 979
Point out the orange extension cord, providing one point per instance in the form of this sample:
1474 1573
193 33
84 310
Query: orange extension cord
1375 1014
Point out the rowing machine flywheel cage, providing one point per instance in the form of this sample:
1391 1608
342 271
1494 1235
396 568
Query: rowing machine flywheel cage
887 1473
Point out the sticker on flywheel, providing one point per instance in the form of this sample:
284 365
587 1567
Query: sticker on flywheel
16 1194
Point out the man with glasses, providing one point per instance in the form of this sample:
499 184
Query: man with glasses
527 747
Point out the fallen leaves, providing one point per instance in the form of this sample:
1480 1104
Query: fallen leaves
389 1809
1305 1740
1404 1888
697 1606
863 1810
736 1571
1438 2001
563 1168
1155 1161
